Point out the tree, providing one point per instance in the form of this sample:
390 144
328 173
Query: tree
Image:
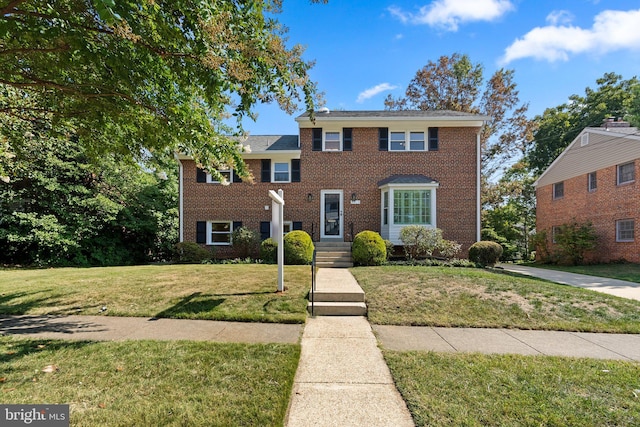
558 126
133 77
455 83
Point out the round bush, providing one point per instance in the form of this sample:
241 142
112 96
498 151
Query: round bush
298 248
368 248
190 253
485 253
269 251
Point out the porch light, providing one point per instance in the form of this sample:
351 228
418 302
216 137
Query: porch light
354 197
309 197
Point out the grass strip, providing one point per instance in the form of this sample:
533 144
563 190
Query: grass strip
211 292
499 390
152 383
468 297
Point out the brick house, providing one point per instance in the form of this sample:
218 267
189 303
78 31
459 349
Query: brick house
594 179
347 172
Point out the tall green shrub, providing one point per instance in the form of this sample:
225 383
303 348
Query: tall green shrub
485 253
298 248
574 240
269 251
368 248
245 242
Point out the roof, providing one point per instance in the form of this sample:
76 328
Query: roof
407 179
266 143
593 149
393 114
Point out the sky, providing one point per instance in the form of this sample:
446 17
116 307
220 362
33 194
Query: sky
365 50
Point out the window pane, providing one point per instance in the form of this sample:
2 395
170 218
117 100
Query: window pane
412 206
626 173
397 142
625 230
220 227
220 232
558 190
416 142
593 181
281 172
332 141
221 238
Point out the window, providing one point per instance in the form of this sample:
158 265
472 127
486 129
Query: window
281 172
416 141
219 233
625 230
558 190
226 173
433 139
385 208
332 141
555 232
626 173
396 141
412 206
592 181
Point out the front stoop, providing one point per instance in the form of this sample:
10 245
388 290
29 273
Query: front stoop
337 294
333 254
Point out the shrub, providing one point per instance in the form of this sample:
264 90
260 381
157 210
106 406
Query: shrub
368 249
420 241
269 251
448 249
191 253
390 246
485 253
574 240
298 248
245 242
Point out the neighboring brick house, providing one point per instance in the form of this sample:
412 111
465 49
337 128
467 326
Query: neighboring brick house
347 172
594 179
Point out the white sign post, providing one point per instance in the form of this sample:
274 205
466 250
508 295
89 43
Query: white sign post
277 221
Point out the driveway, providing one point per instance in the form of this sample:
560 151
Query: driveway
615 287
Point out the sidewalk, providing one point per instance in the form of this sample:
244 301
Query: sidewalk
615 287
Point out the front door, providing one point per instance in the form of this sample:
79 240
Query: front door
331 214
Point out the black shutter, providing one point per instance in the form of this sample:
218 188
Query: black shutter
433 139
383 139
297 225
347 139
266 170
236 177
236 225
265 230
295 170
201 232
201 175
317 139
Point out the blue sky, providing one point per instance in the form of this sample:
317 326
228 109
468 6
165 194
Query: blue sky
366 49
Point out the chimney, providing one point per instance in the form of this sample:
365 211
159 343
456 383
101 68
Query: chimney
612 122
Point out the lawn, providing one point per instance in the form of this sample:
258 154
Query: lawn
464 297
510 390
149 383
621 271
213 292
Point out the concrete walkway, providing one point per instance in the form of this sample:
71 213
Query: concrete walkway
615 287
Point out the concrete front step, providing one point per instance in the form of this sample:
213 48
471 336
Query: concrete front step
338 308
334 264
345 296
333 254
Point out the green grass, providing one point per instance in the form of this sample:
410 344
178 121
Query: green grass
148 383
499 390
621 271
462 297
212 292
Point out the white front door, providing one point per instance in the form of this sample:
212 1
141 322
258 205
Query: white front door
331 224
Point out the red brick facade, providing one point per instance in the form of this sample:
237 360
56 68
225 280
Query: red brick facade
357 174
609 203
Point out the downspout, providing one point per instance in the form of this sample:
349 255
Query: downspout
478 184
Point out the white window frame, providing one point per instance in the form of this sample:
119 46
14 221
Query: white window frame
619 223
619 173
226 172
273 171
324 140
391 230
592 185
555 185
210 233
406 142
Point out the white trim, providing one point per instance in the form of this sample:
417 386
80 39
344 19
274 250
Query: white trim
324 140
478 188
210 232
323 193
391 231
273 171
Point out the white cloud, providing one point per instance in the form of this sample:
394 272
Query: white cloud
560 17
371 92
611 31
449 14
